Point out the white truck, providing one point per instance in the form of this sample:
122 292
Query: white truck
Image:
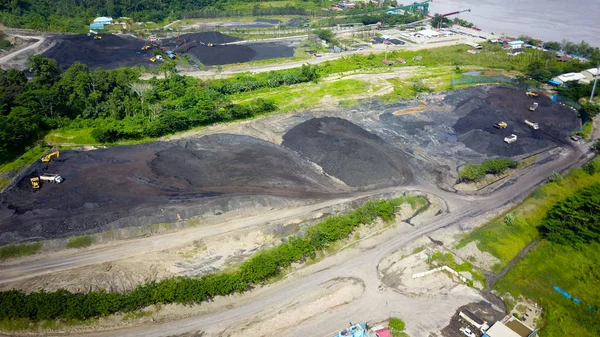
510 139
51 178
532 125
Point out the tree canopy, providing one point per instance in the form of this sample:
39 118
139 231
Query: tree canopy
576 219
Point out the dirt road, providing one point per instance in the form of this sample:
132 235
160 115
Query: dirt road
375 304
12 55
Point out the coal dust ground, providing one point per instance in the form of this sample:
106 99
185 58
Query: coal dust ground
118 51
326 153
143 181
337 145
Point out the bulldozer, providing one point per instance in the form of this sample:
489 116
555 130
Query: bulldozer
146 47
530 93
153 59
501 125
98 37
49 156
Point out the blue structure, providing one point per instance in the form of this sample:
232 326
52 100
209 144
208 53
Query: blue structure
100 22
95 26
356 330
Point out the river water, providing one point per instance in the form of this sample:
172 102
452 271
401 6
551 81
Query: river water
549 20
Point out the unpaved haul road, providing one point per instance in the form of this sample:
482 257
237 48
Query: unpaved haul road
20 51
376 303
53 262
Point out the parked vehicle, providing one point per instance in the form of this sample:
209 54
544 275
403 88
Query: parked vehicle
510 139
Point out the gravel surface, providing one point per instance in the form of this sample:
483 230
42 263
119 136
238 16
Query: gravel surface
348 152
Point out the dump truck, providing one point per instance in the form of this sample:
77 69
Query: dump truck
531 93
533 106
49 156
532 125
46 177
51 178
510 139
501 125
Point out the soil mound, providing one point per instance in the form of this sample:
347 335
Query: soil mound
143 183
113 51
478 113
348 152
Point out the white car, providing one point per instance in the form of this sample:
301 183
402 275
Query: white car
510 139
467 332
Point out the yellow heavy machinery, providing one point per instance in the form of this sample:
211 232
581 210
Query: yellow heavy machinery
145 47
530 93
501 125
49 156
153 59
35 182
98 37
46 178
210 45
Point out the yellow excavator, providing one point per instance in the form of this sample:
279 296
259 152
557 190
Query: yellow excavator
49 156
98 37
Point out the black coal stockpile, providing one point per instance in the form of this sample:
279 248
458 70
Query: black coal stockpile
349 153
110 52
150 183
479 112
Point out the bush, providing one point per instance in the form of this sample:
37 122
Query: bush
555 177
476 172
592 167
509 219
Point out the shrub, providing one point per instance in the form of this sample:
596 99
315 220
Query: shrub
509 219
555 177
476 172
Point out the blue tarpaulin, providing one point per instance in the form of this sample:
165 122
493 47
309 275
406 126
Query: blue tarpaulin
555 82
564 293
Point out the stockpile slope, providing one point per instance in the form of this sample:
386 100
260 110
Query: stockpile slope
113 51
142 183
349 153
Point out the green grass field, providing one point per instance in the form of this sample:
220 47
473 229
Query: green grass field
575 270
506 241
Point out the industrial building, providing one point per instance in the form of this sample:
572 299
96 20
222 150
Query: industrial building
562 79
100 22
512 327
590 74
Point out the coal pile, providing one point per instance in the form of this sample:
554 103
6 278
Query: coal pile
143 183
296 22
349 153
219 55
113 51
266 51
475 128
206 37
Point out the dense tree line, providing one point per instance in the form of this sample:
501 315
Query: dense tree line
576 219
261 267
119 106
583 48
